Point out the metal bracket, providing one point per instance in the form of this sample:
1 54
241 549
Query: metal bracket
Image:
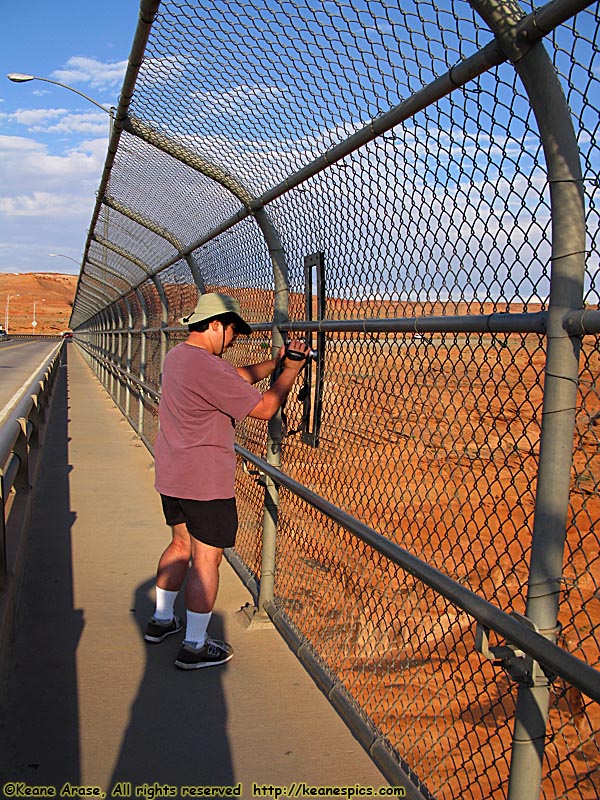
258 475
521 667
311 394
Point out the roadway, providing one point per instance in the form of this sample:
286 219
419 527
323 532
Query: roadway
86 700
20 361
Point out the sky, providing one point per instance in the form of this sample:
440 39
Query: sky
53 142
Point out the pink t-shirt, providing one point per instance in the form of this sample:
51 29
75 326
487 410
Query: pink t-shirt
202 396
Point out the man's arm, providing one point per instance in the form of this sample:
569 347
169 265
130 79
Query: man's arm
253 373
276 396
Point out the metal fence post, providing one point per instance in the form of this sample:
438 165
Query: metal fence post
142 372
118 354
275 428
21 450
112 338
560 400
164 321
128 355
557 135
191 262
102 346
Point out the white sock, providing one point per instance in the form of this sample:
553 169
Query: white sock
165 601
195 632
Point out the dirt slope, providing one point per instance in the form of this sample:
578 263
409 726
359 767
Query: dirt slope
50 294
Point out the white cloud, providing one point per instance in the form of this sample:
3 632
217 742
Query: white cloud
40 204
91 72
58 120
158 71
46 200
33 116
26 166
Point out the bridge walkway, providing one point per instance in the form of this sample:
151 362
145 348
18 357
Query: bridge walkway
86 700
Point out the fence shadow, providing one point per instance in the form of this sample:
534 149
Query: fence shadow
39 734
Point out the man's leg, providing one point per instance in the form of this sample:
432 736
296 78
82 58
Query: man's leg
173 564
201 590
201 593
172 569
203 581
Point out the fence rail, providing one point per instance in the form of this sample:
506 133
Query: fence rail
412 188
19 434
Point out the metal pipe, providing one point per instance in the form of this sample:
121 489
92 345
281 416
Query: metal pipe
198 279
275 425
142 372
129 352
546 18
485 323
582 322
552 658
559 141
560 401
164 311
480 323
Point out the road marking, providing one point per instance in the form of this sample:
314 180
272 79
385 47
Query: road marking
17 396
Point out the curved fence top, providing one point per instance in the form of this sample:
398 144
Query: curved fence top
399 139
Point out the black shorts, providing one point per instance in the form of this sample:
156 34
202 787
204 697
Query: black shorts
213 522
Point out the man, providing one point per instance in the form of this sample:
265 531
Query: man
202 397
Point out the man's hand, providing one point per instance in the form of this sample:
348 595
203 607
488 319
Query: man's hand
276 396
295 355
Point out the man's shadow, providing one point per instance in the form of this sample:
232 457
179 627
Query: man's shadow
177 732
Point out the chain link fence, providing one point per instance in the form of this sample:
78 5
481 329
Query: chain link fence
413 188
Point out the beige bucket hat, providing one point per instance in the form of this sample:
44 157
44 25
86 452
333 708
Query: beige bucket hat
213 305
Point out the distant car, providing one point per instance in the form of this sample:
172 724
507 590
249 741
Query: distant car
4 337
67 334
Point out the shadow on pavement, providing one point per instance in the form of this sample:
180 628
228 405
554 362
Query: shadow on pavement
177 732
39 733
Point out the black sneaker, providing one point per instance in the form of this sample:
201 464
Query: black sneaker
157 630
211 654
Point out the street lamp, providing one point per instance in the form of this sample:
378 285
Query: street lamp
34 321
8 296
62 255
18 77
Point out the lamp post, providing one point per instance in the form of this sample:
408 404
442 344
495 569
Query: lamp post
8 296
34 321
62 255
19 77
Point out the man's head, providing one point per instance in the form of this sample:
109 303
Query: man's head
212 306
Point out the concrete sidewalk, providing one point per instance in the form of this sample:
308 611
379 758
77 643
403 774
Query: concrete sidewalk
87 700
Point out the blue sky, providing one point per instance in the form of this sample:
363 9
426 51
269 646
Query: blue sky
52 142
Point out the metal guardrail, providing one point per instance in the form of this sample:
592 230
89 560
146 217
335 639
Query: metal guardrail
19 435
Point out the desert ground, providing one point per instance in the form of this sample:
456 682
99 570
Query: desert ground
50 294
